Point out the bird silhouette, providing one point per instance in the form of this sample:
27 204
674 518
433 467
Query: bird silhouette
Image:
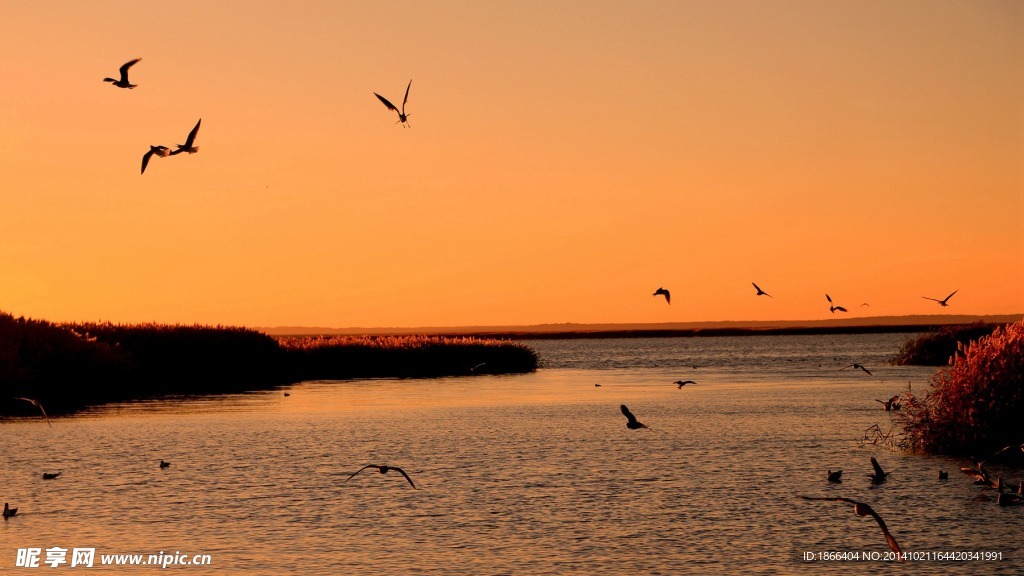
123 81
665 293
189 146
36 403
862 509
383 470
164 464
51 476
944 301
8 511
631 421
832 308
943 475
402 116
761 292
160 151
835 477
682 383
892 404
879 476
857 366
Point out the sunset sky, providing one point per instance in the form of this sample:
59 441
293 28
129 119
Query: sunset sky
564 160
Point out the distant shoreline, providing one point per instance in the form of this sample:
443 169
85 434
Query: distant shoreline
865 325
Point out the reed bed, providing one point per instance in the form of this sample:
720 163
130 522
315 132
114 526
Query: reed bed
70 366
976 406
936 348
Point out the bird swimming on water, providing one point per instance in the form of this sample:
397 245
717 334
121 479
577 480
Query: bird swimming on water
631 421
944 301
402 116
943 475
835 477
665 293
761 292
51 476
36 403
164 464
160 151
189 145
383 470
8 511
123 81
862 509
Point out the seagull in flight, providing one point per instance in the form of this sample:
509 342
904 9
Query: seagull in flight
631 423
665 293
383 470
160 151
36 403
879 476
123 81
857 366
761 292
832 308
402 116
189 146
862 509
944 301
682 383
891 404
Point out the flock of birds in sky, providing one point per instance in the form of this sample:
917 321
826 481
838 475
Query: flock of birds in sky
832 307
189 145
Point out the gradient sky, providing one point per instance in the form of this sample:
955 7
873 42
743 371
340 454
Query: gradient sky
565 159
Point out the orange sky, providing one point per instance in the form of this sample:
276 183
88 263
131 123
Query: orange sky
565 160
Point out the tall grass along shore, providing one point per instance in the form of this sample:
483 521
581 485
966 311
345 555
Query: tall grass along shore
70 366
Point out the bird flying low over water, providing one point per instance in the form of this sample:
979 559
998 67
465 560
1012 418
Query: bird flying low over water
402 116
631 421
189 146
879 476
862 509
857 366
665 293
682 383
383 470
36 403
832 308
123 81
160 151
761 292
944 301
892 404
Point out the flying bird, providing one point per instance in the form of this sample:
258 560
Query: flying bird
632 422
835 477
402 116
123 81
36 403
665 293
944 301
188 146
383 470
682 383
761 292
832 308
857 366
8 511
49 476
879 476
862 509
160 151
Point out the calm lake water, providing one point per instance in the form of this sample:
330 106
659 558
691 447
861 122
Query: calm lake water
530 474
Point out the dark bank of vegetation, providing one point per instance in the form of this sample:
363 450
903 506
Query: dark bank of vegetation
70 366
975 407
936 348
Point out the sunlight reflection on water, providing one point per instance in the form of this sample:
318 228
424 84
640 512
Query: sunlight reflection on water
532 474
